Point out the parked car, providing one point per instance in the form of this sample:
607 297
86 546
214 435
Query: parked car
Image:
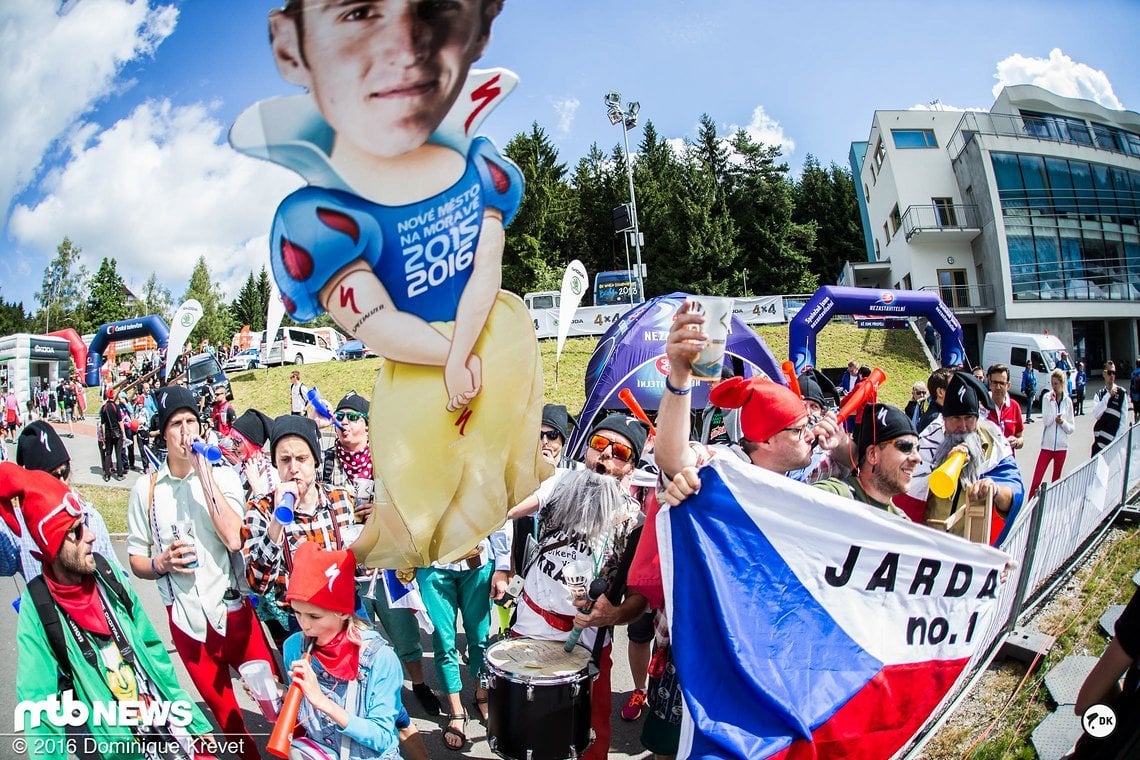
354 349
1013 349
247 359
204 374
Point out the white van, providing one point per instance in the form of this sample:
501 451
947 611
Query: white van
543 299
1014 349
295 345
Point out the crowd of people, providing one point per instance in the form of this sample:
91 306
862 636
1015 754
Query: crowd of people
237 577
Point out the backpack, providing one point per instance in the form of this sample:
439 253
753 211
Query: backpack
49 615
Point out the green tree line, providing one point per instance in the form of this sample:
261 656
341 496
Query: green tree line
719 216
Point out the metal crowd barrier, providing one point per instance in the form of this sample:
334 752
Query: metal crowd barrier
1063 524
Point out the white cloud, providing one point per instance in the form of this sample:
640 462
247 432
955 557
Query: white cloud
73 55
566 108
155 191
763 128
938 105
1060 74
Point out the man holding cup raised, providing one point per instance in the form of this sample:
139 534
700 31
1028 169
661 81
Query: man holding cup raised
210 626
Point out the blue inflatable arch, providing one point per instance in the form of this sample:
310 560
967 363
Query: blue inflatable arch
128 329
831 300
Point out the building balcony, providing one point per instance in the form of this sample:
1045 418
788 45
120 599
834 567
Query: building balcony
965 299
1038 129
941 222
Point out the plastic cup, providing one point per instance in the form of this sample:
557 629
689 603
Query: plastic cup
718 316
258 676
186 533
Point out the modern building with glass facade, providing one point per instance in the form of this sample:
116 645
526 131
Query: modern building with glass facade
1024 218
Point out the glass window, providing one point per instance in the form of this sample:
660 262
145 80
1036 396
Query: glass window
1038 125
914 138
1105 137
1017 357
1061 184
1071 259
1007 172
1022 262
1049 270
1083 187
880 154
945 212
1033 176
896 220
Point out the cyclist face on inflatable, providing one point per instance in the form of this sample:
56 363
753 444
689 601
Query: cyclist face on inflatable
383 74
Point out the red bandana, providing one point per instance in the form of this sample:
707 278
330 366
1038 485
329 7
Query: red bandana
356 464
81 602
341 656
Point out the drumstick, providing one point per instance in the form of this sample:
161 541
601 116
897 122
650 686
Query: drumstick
626 396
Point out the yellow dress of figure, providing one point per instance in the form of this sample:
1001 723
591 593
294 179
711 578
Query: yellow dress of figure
446 479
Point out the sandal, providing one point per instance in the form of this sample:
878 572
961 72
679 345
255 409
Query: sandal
456 732
480 706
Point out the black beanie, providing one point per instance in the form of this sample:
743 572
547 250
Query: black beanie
39 447
354 402
965 395
254 426
302 427
172 398
630 427
557 417
881 423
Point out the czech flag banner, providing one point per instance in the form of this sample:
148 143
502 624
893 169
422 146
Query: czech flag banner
806 625
406 596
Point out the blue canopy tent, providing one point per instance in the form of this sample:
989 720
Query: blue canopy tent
631 355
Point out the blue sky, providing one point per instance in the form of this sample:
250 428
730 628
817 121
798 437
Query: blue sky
116 111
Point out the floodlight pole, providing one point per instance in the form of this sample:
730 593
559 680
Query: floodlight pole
633 207
628 121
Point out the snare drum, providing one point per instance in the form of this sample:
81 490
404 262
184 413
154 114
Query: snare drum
538 699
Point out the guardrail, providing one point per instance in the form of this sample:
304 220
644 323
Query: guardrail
1077 510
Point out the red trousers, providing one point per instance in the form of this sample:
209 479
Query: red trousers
209 663
1043 459
600 706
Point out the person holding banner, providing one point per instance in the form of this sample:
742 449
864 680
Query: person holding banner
778 432
990 470
184 521
399 237
351 680
888 453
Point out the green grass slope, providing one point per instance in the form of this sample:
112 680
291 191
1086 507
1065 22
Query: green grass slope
897 352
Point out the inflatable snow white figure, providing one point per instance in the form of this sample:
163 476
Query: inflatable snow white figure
399 237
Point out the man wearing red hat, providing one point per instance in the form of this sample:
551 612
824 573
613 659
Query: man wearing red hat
184 522
777 433
103 649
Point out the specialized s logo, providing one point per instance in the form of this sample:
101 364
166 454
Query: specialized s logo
882 415
331 573
482 97
962 394
461 422
44 440
348 296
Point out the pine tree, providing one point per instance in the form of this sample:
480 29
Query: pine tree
106 302
826 199
156 299
12 318
63 290
216 324
535 250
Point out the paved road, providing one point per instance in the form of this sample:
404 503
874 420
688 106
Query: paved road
625 743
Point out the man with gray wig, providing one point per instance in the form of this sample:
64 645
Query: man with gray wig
990 469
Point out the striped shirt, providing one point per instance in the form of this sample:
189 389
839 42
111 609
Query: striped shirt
332 525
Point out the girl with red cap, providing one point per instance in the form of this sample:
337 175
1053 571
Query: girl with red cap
352 682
